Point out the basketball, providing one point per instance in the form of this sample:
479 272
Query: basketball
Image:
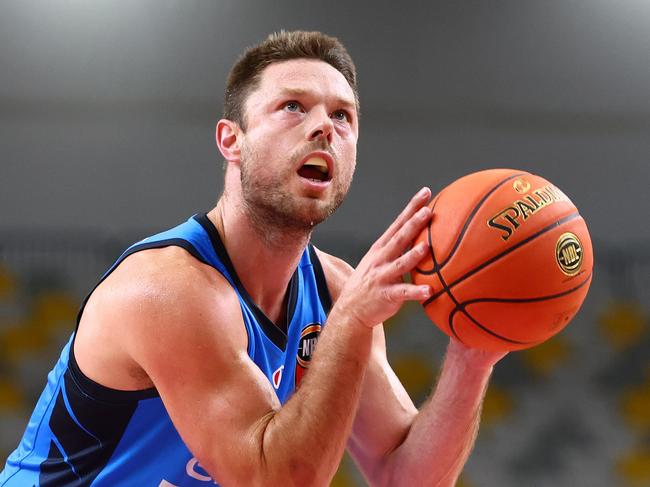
510 260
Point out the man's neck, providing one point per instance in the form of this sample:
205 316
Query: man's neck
263 258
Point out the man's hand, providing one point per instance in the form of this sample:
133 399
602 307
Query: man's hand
472 357
375 291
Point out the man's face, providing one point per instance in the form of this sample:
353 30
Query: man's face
298 153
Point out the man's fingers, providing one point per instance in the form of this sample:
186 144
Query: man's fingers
418 201
399 293
409 260
407 233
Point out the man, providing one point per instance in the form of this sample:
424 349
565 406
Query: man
192 360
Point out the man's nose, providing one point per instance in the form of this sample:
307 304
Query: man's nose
321 127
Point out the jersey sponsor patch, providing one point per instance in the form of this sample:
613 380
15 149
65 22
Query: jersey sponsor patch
306 346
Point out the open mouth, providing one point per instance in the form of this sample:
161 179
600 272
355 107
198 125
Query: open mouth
315 168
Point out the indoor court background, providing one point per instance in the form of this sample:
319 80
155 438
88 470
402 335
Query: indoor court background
107 114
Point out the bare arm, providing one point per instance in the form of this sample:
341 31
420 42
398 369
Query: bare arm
229 416
442 434
220 402
395 444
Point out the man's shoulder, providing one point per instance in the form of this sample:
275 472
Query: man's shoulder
336 271
163 281
152 303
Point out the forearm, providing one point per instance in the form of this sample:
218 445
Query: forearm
305 440
443 433
309 433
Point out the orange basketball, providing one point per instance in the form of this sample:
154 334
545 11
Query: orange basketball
510 260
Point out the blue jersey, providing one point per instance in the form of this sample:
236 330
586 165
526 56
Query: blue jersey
82 433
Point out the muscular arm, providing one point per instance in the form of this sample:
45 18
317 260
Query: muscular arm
182 325
227 412
442 434
395 444
434 447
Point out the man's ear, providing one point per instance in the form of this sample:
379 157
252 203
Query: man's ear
228 136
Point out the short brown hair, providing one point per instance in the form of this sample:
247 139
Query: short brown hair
245 75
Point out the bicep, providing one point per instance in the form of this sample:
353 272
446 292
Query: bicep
385 412
218 399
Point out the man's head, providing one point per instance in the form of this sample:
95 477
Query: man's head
291 134
245 75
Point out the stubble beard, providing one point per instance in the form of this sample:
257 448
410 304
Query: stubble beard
277 214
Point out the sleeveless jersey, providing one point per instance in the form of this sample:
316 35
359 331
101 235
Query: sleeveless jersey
84 434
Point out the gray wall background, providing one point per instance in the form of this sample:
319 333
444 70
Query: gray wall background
107 114
107 107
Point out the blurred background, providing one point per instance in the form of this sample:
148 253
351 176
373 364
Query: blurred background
107 115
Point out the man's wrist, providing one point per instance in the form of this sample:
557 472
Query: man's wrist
471 358
347 314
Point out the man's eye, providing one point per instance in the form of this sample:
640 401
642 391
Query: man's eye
341 115
292 106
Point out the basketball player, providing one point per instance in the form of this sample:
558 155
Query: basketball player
229 349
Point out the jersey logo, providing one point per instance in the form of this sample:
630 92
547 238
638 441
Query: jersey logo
306 347
194 470
277 377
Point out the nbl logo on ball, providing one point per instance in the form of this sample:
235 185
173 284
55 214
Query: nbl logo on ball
306 346
568 253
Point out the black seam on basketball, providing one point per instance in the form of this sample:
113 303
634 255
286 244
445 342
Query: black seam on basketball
528 300
462 307
436 269
483 265
435 265
444 285
486 330
464 230
473 214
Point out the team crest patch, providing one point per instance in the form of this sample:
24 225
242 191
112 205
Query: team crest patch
306 347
